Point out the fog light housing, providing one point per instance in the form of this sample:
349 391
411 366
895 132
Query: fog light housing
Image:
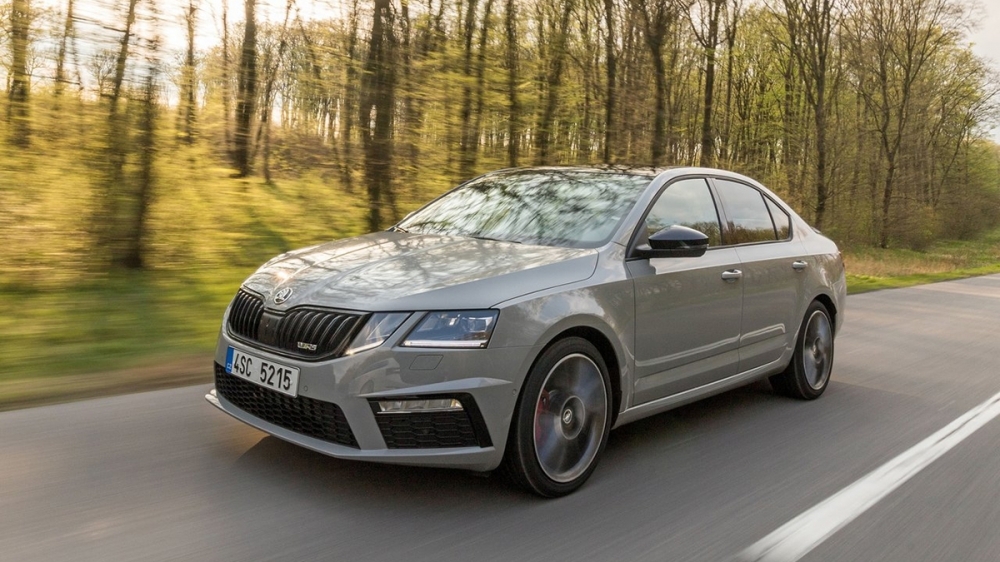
419 406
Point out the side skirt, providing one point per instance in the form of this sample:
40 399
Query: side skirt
693 395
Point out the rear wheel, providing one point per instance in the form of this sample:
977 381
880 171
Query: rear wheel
808 373
562 420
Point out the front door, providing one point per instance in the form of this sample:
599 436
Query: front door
687 313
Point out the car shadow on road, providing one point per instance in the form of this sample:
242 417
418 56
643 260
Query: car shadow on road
272 462
299 471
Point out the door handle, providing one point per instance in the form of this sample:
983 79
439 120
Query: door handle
799 265
731 275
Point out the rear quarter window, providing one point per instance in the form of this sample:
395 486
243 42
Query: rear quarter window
782 222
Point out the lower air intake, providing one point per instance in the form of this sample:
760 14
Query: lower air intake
321 420
433 430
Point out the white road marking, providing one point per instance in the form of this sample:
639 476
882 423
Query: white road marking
961 289
795 539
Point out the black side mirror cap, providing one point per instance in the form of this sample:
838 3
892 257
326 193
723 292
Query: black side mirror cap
674 242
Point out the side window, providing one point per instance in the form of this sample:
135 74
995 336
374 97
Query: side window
686 203
782 222
746 213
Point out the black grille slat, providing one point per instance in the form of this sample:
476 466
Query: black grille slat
347 326
295 322
325 335
253 320
329 330
309 325
286 329
315 418
239 312
338 327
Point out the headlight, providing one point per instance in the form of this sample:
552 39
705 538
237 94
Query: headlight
466 328
379 327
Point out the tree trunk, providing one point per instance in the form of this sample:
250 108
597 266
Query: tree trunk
658 146
611 71
188 98
227 94
408 131
821 185
553 83
658 18
17 112
887 185
271 68
732 24
376 112
350 100
480 88
115 191
246 92
135 244
120 62
710 43
513 103
466 158
61 80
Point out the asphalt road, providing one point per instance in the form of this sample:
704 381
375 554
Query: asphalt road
165 476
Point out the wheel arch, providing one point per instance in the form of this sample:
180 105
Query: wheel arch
831 307
608 352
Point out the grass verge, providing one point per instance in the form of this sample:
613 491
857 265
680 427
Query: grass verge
872 269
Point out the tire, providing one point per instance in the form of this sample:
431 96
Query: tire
808 373
562 420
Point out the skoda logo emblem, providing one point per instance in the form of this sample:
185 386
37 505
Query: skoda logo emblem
282 295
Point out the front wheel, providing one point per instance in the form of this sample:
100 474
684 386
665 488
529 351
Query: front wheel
808 373
562 420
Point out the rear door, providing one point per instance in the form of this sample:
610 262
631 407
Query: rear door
773 271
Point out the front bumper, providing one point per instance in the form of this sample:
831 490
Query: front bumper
491 378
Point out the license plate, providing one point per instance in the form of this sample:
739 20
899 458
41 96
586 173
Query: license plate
263 372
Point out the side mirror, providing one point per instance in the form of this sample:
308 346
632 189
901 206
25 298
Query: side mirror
674 242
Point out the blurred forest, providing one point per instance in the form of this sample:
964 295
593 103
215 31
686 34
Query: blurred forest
197 138
128 141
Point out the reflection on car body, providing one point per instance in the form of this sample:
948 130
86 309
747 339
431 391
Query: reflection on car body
515 320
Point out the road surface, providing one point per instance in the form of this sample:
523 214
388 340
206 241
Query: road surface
165 476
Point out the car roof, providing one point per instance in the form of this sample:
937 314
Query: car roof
646 171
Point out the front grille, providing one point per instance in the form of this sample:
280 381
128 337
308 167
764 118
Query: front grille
315 418
309 333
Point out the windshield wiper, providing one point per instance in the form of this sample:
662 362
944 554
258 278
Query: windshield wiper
495 239
397 228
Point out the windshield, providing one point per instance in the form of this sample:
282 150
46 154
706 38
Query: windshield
578 209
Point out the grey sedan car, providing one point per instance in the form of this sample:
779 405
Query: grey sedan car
514 321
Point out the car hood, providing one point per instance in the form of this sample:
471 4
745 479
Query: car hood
388 271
